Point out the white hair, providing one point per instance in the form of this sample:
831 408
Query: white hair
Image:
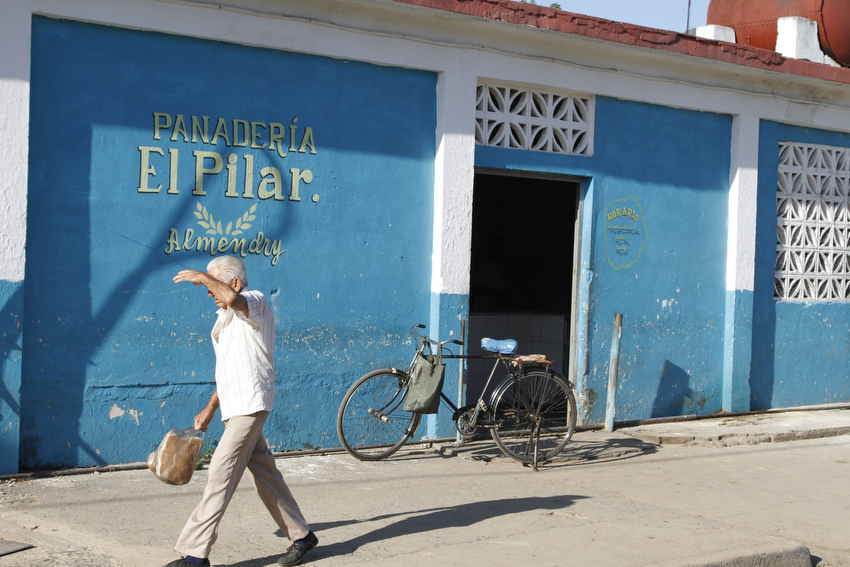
229 268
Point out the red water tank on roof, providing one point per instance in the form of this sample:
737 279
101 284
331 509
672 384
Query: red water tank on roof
754 22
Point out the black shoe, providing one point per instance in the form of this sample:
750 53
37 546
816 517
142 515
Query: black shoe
297 550
183 563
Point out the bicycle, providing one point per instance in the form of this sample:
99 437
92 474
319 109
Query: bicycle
531 415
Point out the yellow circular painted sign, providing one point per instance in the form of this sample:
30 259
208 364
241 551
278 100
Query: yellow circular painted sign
625 232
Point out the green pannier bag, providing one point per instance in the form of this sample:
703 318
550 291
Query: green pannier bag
426 383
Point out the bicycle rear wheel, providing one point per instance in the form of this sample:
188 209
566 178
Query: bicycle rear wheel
537 400
371 424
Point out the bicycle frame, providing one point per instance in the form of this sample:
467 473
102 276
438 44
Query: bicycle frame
480 406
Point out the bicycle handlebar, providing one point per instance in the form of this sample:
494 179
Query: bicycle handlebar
426 338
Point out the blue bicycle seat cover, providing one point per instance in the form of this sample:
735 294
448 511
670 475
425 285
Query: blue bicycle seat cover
507 346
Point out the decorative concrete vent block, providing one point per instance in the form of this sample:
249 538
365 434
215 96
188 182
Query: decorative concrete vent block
813 223
527 119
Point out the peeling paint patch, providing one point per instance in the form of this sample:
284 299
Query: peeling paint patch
115 411
134 415
587 400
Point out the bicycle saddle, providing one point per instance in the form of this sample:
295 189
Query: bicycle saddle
507 346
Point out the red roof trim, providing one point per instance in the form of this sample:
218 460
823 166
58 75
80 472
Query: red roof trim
629 34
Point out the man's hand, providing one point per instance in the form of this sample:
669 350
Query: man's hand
193 276
203 419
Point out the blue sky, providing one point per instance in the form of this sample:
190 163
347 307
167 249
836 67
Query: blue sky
662 14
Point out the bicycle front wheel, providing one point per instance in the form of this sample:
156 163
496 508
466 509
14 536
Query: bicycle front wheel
371 424
537 404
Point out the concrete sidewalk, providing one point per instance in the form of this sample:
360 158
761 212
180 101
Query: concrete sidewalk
662 495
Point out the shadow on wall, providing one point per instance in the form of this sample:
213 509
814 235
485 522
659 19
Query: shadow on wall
56 355
63 338
673 392
761 366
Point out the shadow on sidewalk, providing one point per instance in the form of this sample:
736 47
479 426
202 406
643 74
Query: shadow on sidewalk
584 451
579 451
420 521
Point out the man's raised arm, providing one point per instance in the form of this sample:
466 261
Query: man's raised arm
225 295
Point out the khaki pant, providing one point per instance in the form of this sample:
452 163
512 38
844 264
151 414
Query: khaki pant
242 446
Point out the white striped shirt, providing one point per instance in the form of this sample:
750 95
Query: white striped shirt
244 365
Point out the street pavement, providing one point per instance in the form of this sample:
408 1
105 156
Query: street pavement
736 491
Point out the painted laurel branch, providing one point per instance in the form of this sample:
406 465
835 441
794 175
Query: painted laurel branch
242 223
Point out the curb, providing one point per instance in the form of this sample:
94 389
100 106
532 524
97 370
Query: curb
772 554
734 439
780 554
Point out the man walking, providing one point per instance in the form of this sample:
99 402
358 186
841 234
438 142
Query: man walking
243 339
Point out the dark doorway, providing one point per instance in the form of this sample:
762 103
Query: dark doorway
523 242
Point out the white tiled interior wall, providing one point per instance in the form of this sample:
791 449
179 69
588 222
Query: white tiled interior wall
534 334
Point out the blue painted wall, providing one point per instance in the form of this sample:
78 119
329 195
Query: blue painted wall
115 353
448 310
143 144
738 355
11 299
801 350
674 164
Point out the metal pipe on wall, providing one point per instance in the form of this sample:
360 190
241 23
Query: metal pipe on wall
613 370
